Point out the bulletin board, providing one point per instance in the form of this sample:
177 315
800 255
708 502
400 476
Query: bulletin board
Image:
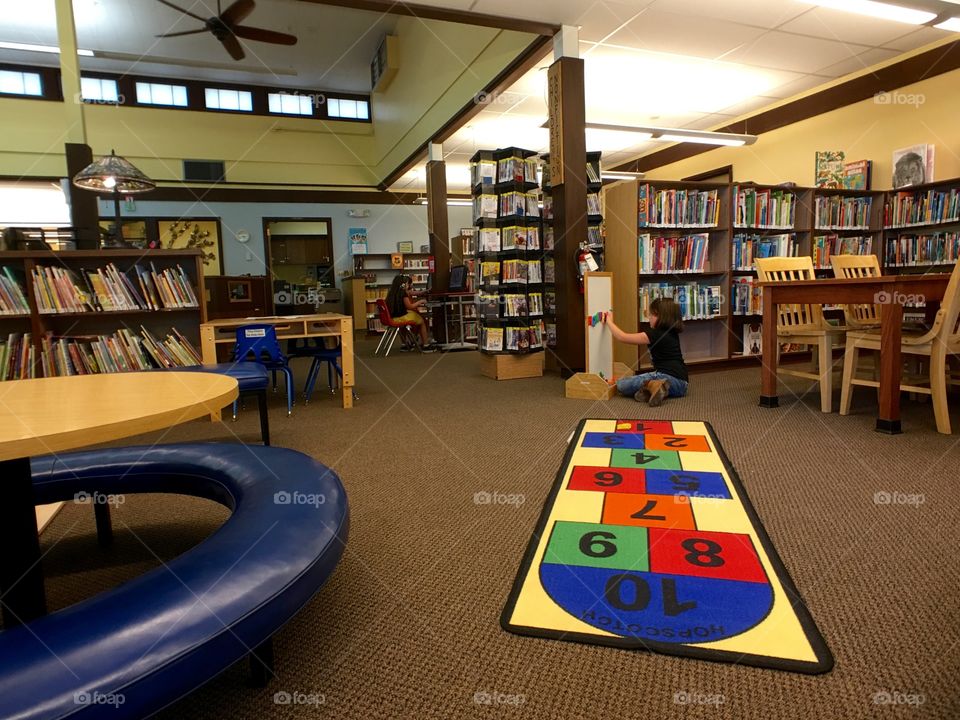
598 298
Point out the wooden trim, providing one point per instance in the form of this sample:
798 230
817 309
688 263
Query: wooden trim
523 63
266 195
943 59
710 175
426 12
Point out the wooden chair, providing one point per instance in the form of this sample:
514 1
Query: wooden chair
803 324
858 317
941 341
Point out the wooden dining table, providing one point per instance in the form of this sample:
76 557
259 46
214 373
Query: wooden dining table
889 292
50 415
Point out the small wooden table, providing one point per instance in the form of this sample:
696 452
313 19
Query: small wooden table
224 332
891 292
49 415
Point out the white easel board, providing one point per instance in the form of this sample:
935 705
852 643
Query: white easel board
598 298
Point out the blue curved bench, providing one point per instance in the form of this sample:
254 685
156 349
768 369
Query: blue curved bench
132 650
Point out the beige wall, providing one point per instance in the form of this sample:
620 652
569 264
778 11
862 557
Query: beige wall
925 112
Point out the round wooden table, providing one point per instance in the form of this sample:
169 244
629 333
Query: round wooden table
49 415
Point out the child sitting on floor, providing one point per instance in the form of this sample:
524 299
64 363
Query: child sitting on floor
669 377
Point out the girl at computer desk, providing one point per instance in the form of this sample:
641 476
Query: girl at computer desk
669 377
404 306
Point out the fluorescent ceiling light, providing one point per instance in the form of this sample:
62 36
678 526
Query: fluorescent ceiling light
621 175
40 48
882 10
456 202
953 25
705 137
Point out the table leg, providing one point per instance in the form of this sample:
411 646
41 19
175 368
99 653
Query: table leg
346 361
891 319
768 372
208 353
21 575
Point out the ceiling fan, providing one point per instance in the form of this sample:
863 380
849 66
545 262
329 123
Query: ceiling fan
226 27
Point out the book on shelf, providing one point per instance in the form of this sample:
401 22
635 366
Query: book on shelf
547 213
594 206
485 207
764 207
520 238
828 168
534 272
17 357
548 239
941 248
491 339
746 297
697 302
826 246
513 271
593 172
684 254
535 304
489 239
857 174
13 301
837 212
677 207
483 173
550 334
549 270
515 305
928 207
747 248
595 235
752 338
517 169
913 166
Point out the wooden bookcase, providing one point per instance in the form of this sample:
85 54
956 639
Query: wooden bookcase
87 323
720 339
894 232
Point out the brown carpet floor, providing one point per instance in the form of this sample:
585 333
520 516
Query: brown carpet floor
408 627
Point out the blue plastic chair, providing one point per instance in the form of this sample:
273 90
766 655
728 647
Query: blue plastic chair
316 349
259 343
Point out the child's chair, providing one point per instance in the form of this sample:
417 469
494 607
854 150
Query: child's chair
393 328
259 343
803 324
316 349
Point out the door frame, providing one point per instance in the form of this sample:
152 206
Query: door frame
268 256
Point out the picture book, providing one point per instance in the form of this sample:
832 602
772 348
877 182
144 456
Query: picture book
912 166
829 169
856 175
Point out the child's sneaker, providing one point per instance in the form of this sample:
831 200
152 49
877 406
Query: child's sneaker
658 392
642 395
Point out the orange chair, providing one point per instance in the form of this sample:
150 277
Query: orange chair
393 328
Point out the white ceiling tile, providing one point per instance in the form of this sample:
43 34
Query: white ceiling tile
759 13
798 53
684 34
750 106
795 87
918 38
859 63
832 24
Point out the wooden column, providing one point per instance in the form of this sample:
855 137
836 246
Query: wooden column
437 223
84 212
568 177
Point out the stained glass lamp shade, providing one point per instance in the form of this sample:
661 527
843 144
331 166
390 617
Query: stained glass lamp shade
112 173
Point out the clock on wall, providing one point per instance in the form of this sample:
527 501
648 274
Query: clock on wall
242 236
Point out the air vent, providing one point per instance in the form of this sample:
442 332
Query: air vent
203 170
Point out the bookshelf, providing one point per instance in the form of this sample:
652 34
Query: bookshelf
910 230
921 228
99 311
509 280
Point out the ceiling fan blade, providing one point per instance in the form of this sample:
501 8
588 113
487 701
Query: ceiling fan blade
232 45
268 36
237 12
185 32
185 12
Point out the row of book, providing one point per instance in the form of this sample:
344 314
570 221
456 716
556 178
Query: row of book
826 246
922 208
376 293
745 296
509 305
677 208
747 248
510 204
686 254
764 207
13 301
513 338
934 249
513 237
514 169
594 205
505 272
836 212
59 289
122 351
697 302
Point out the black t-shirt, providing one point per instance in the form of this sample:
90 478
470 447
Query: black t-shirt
665 352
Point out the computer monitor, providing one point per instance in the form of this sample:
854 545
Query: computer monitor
458 278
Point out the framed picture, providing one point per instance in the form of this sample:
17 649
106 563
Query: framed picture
912 166
239 291
405 247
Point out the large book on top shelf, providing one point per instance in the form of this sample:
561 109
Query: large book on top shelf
81 312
